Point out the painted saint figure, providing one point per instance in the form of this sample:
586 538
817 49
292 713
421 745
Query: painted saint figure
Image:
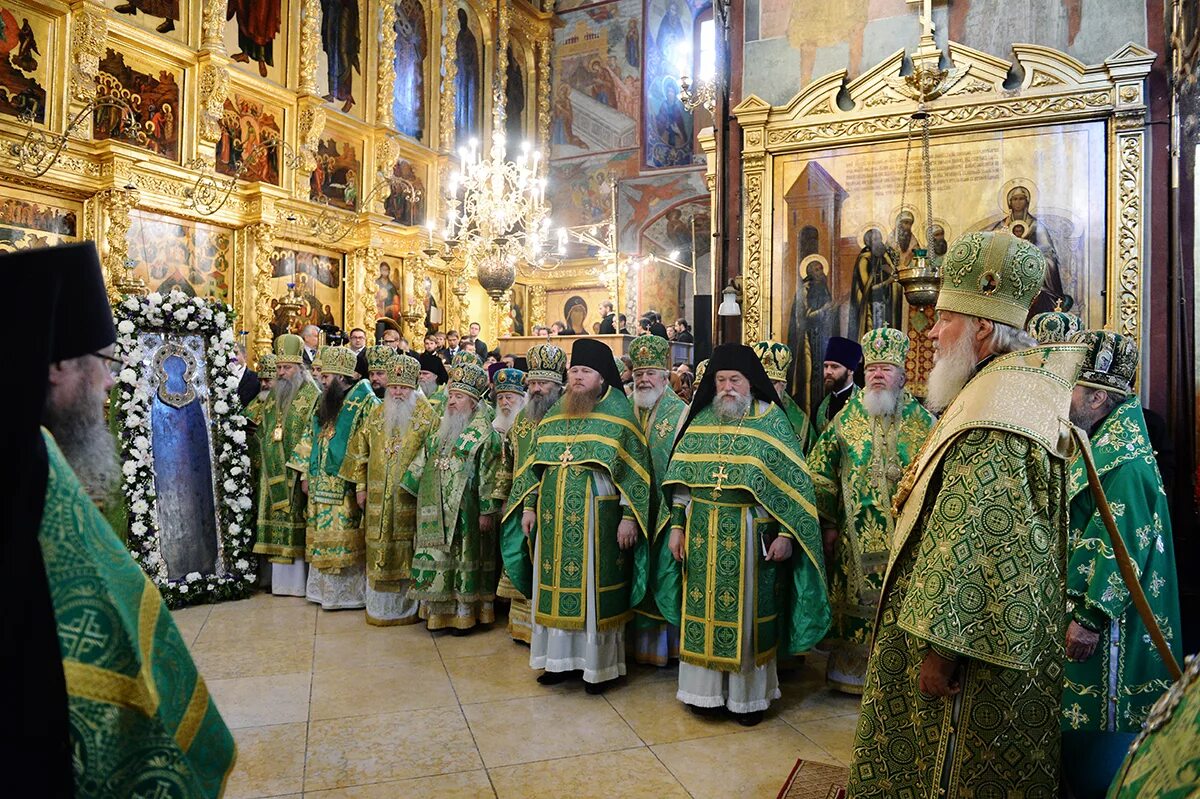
340 41
467 81
257 25
168 10
412 46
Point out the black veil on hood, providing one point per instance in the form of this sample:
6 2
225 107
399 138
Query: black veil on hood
597 355
736 357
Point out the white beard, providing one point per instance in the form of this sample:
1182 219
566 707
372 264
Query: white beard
453 423
503 420
429 387
646 398
731 409
881 401
397 413
954 367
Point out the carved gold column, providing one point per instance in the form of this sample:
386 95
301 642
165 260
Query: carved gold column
310 44
212 27
89 34
537 307
756 274
115 205
312 124
460 319
502 321
387 65
500 78
449 30
412 278
262 237
543 92
387 152
360 303
214 90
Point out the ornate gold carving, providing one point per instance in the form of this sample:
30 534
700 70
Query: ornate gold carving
462 306
1129 94
537 307
387 65
883 98
115 205
752 266
1041 80
973 86
364 263
262 236
1130 216
89 32
310 43
214 90
212 26
449 29
543 77
312 125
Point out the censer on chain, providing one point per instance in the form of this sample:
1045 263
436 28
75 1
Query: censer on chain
920 276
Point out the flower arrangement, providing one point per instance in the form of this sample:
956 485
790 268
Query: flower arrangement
177 314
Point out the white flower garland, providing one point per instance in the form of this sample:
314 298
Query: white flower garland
178 314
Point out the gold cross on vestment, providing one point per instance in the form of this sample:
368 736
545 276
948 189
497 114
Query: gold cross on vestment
443 463
663 427
566 456
719 476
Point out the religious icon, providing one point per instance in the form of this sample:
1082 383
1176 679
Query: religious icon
31 220
21 79
399 204
245 125
317 278
575 311
387 293
468 87
257 26
667 128
514 103
335 178
154 102
166 10
341 40
193 257
412 47
1020 221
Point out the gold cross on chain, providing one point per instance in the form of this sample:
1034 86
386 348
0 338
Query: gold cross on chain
719 476
566 456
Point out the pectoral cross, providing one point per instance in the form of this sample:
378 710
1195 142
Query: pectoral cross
719 476
443 463
663 427
566 456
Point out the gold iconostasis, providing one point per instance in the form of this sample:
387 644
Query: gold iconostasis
235 148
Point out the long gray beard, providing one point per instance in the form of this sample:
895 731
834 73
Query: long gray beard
286 388
88 445
453 423
537 406
954 367
503 420
881 401
646 398
429 387
397 413
731 409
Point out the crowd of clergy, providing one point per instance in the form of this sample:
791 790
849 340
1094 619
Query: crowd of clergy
952 557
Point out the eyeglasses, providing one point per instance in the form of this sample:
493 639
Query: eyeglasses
115 365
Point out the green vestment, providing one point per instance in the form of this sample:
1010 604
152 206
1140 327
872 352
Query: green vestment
806 434
559 481
855 465
822 421
515 453
281 503
334 537
732 470
141 719
976 573
438 401
1164 761
376 463
1115 687
454 565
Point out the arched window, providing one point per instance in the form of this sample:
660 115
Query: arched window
704 66
412 49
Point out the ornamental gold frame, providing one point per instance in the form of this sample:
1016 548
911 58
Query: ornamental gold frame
1055 88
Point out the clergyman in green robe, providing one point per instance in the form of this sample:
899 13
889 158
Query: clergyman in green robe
334 536
379 454
747 580
964 683
1113 673
842 357
660 414
453 478
855 466
281 420
776 359
583 499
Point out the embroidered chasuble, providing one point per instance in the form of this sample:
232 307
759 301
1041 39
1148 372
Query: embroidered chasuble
731 473
976 572
856 464
822 421
1164 761
558 482
454 565
376 463
806 433
141 719
281 503
660 425
438 401
335 532
1115 687
515 453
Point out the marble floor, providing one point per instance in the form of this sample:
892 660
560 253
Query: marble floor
323 705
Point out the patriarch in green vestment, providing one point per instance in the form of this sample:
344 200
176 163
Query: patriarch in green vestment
964 684
856 464
281 420
544 385
107 699
660 412
432 379
379 454
334 534
842 357
747 577
584 499
453 478
1113 675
